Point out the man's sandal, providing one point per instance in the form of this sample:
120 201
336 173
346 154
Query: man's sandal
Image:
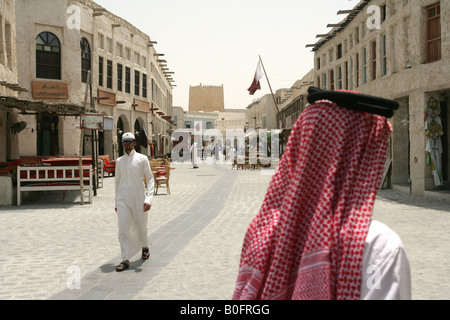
145 254
122 266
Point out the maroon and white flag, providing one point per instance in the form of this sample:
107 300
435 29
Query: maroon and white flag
258 75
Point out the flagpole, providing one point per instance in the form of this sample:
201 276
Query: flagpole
270 87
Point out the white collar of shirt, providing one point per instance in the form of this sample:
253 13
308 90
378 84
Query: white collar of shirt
131 153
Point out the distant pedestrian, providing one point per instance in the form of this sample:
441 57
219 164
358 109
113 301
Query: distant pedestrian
194 155
232 155
133 201
313 237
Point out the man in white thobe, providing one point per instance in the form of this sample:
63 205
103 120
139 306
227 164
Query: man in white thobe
194 155
133 201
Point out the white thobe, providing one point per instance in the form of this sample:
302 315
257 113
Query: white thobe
386 270
231 154
194 155
131 194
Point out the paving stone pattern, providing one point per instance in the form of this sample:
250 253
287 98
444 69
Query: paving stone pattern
196 234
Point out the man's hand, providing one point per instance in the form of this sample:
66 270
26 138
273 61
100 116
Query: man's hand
147 207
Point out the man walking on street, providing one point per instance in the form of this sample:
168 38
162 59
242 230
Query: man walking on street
194 155
134 193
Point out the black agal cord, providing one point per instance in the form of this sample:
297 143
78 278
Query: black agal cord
355 101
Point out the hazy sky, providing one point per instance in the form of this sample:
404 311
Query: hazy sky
217 42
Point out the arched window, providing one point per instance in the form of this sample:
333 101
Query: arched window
85 59
48 56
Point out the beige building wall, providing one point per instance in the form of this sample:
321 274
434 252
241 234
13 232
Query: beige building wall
178 114
206 122
400 72
206 98
231 119
292 101
261 113
8 77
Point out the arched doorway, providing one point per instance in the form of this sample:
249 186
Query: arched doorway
123 125
137 132
141 136
120 132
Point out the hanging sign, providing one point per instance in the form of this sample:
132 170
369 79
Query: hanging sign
106 98
92 122
142 106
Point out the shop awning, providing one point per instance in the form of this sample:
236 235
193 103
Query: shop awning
36 107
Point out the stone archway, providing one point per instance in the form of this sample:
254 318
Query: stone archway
122 127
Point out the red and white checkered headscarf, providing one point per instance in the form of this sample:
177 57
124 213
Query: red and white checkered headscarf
308 239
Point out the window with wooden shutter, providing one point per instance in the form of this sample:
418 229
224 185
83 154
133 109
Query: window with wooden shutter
109 74
127 80
119 76
100 71
374 60
433 45
357 70
332 80
85 59
364 66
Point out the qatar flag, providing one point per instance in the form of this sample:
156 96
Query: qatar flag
198 128
255 84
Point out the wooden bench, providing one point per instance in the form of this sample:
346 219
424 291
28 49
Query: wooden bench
49 178
71 161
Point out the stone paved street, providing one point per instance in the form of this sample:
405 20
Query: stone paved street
196 234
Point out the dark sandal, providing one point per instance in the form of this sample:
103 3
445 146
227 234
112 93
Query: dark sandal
122 266
145 254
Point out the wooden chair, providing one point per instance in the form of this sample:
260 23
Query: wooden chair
162 175
153 167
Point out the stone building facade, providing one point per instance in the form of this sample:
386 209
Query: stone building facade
206 98
293 101
397 49
60 42
8 90
8 80
207 109
261 113
231 119
178 117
